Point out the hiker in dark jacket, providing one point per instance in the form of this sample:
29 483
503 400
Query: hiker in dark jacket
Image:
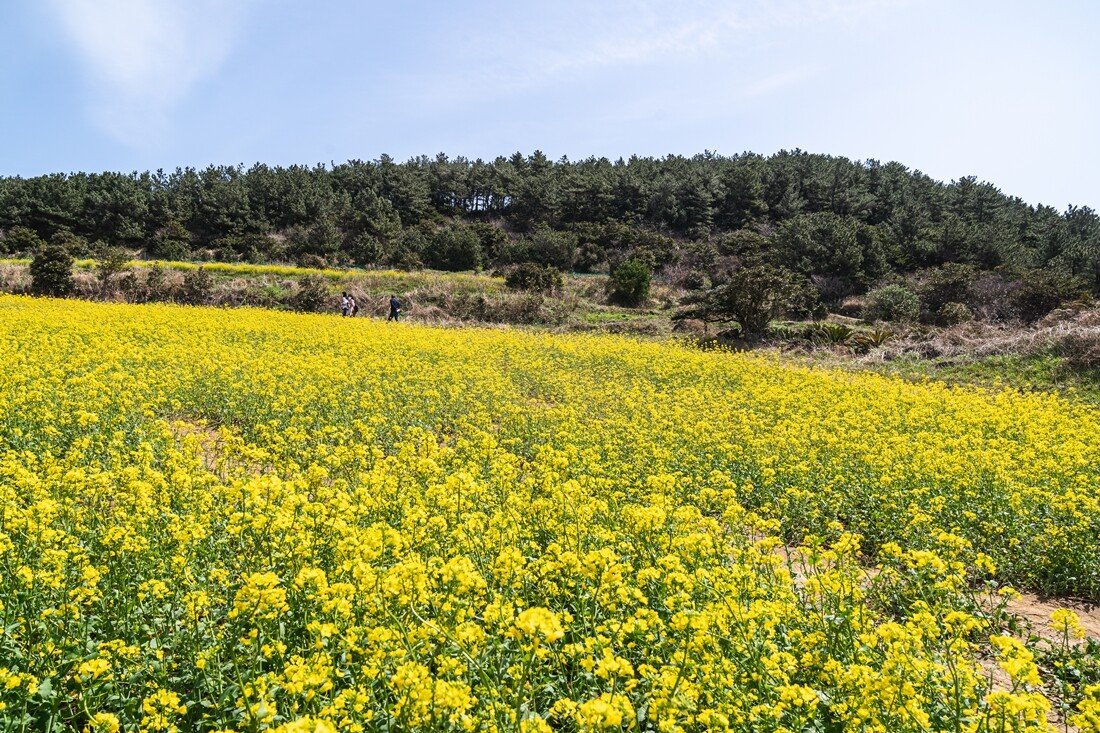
395 308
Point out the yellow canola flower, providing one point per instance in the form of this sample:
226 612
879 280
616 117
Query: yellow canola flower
539 625
1067 622
103 723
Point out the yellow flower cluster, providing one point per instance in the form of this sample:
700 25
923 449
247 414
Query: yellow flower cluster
253 521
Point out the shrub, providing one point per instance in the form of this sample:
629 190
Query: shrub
313 294
19 240
533 277
366 249
52 271
589 257
1041 291
254 247
156 283
942 285
990 297
198 287
695 280
312 261
528 309
629 283
131 287
892 303
407 250
493 239
110 262
1081 348
752 297
955 313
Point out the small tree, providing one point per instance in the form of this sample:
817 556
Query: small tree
545 247
52 271
629 283
752 297
198 286
454 248
110 262
156 283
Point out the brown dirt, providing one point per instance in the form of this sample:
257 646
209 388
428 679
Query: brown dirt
1037 611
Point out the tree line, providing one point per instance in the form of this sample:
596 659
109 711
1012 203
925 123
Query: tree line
841 225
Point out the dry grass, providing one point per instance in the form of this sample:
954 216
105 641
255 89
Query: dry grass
1074 335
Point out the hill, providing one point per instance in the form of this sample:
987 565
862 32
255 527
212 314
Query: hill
843 225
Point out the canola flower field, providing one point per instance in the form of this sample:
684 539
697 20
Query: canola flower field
247 520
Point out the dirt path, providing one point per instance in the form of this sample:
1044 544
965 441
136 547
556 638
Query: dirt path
1037 611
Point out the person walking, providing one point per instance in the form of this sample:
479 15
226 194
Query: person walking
344 304
353 307
395 309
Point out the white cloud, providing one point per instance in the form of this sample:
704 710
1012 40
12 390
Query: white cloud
143 57
531 48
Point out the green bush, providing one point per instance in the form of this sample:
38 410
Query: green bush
493 238
955 313
752 297
52 271
892 303
589 257
156 283
110 263
629 283
533 277
173 242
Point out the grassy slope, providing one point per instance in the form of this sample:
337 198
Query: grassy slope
1027 373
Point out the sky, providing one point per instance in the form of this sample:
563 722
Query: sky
1006 91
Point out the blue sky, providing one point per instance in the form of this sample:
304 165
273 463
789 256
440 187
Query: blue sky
1007 91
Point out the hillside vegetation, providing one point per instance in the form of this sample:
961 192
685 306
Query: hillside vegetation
842 225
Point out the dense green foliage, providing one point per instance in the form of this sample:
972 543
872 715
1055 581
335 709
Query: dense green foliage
52 271
893 303
629 283
535 277
752 297
843 224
